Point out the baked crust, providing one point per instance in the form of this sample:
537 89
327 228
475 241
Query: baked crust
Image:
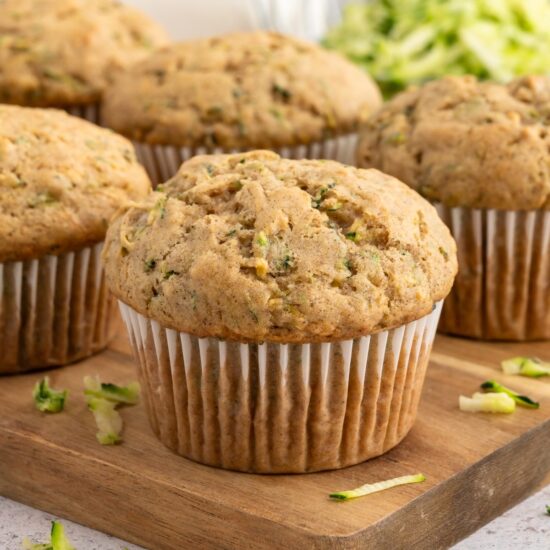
242 90
61 180
467 143
253 247
64 52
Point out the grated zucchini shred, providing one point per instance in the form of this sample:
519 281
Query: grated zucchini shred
526 366
487 402
370 488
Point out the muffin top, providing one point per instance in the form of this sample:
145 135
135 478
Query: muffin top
253 247
243 90
64 52
467 143
61 180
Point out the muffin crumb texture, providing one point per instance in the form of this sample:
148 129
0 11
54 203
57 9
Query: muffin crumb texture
64 52
242 90
61 180
467 143
253 247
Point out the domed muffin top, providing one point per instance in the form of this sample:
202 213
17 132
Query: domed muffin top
64 52
253 247
243 90
61 180
467 143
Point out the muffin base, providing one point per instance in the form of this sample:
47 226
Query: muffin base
502 290
276 408
53 310
89 112
163 161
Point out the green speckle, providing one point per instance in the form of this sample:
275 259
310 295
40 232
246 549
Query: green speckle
65 79
242 128
285 263
128 155
334 207
91 144
347 264
261 239
51 74
396 138
42 199
375 257
253 313
210 168
236 185
443 252
231 233
320 197
352 235
146 42
277 114
158 211
20 45
150 264
170 273
280 91
215 111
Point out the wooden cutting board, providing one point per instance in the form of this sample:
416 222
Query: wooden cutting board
477 466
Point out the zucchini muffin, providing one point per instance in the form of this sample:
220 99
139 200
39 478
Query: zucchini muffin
481 152
61 179
239 92
282 311
63 53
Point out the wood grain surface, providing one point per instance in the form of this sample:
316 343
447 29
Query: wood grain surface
477 466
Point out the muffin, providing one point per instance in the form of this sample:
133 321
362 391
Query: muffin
61 179
481 152
62 53
281 311
240 92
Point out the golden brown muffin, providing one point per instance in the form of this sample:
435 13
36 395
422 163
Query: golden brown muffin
243 90
253 247
61 180
467 143
64 52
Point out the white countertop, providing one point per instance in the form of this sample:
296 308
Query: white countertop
525 526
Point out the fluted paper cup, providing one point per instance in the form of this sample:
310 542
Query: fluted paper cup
502 290
53 310
281 408
90 112
163 161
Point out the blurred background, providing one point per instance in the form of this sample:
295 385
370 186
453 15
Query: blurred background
398 42
191 19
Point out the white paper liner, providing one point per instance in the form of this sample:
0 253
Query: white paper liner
281 408
502 290
53 310
163 161
89 112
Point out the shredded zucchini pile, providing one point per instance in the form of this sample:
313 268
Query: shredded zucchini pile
402 42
